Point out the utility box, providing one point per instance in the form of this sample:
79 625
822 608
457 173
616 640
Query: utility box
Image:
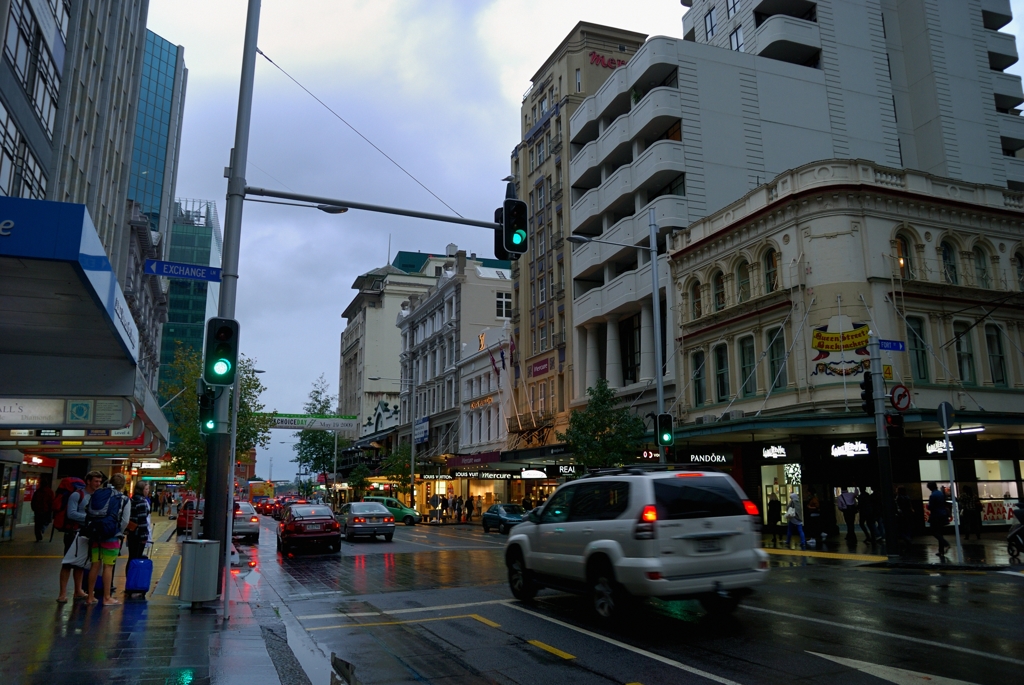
200 564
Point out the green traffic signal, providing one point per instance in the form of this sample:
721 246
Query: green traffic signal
514 225
666 431
221 367
220 354
210 425
519 237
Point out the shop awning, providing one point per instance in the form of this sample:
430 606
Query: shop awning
366 441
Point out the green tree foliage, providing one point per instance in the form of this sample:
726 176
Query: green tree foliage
188 448
604 434
359 479
395 467
314 452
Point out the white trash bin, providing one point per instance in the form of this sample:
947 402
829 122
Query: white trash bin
200 564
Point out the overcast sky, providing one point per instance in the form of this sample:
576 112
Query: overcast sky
436 84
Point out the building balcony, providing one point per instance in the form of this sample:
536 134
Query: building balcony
788 39
652 63
1002 50
557 189
515 316
1015 172
996 13
557 240
655 168
558 340
556 144
1008 90
618 296
560 292
669 211
655 112
1011 131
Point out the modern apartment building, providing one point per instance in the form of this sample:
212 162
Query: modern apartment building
371 345
151 189
438 328
542 316
196 238
756 88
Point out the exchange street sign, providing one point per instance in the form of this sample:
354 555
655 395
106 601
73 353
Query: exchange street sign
314 422
892 345
192 272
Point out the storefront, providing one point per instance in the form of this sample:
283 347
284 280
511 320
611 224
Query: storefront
10 463
35 470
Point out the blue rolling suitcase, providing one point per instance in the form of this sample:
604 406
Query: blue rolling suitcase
139 575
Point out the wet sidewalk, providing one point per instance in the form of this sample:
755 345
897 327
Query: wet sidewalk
158 640
990 552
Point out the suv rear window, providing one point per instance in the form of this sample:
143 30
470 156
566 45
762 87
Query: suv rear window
601 501
690 498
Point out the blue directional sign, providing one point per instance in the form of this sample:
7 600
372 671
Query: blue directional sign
892 345
191 272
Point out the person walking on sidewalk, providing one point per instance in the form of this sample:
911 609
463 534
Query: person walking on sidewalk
444 508
42 506
867 516
847 503
107 517
458 509
813 524
469 509
970 512
938 516
77 503
774 517
795 520
138 525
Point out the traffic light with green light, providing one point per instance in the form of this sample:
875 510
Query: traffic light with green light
220 360
514 226
666 433
207 420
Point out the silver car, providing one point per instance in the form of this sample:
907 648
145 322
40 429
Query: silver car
366 518
246 523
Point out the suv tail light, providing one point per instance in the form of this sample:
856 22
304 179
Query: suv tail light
335 525
358 519
389 519
751 508
290 527
253 519
644 529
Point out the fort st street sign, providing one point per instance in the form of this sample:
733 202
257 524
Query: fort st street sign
192 272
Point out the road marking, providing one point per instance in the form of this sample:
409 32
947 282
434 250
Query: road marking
823 555
475 617
630 648
412 610
900 676
481 539
175 587
882 633
552 650
1013 573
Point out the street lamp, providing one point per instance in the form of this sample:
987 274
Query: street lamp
652 248
332 209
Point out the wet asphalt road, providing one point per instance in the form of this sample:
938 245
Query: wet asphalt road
433 606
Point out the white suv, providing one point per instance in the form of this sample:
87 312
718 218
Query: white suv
630 532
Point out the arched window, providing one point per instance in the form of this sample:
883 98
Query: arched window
695 309
771 271
718 288
981 269
903 257
743 281
1018 263
949 264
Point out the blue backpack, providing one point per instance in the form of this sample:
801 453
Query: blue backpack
103 515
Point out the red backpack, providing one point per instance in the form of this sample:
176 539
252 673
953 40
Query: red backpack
68 486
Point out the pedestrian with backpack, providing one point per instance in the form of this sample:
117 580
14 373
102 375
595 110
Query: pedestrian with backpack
106 518
70 504
42 506
795 519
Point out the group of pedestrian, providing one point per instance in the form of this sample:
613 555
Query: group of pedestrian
459 509
98 519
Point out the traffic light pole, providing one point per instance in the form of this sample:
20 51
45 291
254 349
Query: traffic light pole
885 484
218 445
656 303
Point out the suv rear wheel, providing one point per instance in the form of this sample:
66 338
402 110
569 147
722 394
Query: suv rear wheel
608 597
519 581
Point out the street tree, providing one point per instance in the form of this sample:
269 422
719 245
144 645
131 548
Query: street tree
315 452
395 467
188 444
359 479
603 433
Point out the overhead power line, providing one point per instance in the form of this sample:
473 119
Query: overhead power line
357 132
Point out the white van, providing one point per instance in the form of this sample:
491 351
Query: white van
634 533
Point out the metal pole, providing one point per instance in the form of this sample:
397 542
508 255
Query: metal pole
656 302
218 444
334 476
412 469
885 484
952 494
229 526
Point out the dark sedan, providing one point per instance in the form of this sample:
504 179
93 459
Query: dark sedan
367 518
308 524
502 517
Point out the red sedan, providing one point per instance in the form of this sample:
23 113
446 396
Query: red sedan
308 524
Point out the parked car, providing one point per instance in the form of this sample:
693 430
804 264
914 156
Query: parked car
502 517
633 533
401 512
366 518
246 523
308 524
